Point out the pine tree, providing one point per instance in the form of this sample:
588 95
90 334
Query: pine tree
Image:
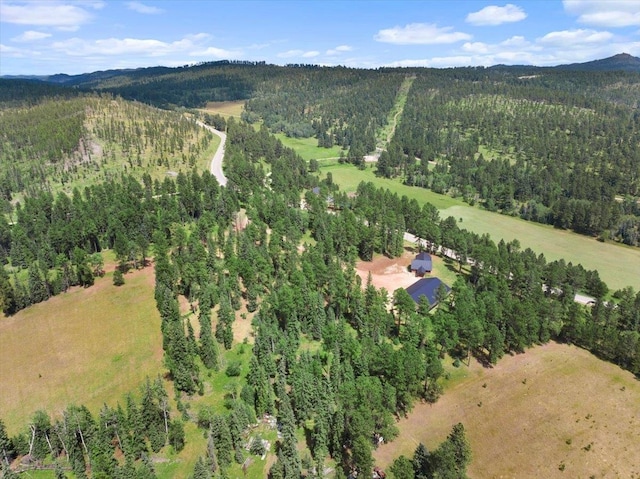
222 440
59 472
176 435
7 294
118 277
6 446
200 470
152 418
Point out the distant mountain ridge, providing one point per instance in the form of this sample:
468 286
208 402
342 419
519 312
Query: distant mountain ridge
619 62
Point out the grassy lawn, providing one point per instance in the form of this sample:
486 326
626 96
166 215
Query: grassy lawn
349 177
86 346
308 148
533 413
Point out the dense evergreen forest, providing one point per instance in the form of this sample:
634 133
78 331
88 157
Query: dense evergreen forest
330 358
545 147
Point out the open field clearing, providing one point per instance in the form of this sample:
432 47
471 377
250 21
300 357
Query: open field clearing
308 148
554 411
618 266
225 109
87 346
385 134
349 177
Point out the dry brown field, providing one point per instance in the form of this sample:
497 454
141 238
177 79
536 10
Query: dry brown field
555 411
87 346
225 109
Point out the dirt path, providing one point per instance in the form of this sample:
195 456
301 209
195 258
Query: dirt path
401 100
216 161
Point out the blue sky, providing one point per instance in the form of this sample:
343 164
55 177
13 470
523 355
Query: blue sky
78 36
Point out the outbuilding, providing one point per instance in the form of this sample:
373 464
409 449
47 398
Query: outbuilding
422 264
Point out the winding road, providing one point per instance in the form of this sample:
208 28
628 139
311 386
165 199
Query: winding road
216 161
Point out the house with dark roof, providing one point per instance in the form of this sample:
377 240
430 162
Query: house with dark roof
422 264
427 287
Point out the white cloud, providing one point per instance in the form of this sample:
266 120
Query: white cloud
435 62
578 37
298 53
14 52
30 36
494 15
131 46
420 34
476 47
339 49
217 53
290 54
142 8
515 41
609 13
65 16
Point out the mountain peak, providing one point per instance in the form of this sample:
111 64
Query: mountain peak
620 62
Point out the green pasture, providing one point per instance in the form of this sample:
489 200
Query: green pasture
349 177
308 148
617 265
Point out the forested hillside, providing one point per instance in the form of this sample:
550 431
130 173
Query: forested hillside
557 146
61 143
552 147
361 353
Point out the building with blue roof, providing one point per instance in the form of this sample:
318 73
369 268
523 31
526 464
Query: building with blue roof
427 287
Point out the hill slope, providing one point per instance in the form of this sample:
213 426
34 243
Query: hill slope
619 62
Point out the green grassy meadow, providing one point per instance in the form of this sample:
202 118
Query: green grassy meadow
308 148
349 177
618 265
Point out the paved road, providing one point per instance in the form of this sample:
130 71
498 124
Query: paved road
216 161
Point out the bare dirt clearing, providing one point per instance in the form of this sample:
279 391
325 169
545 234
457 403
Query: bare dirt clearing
555 411
393 273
